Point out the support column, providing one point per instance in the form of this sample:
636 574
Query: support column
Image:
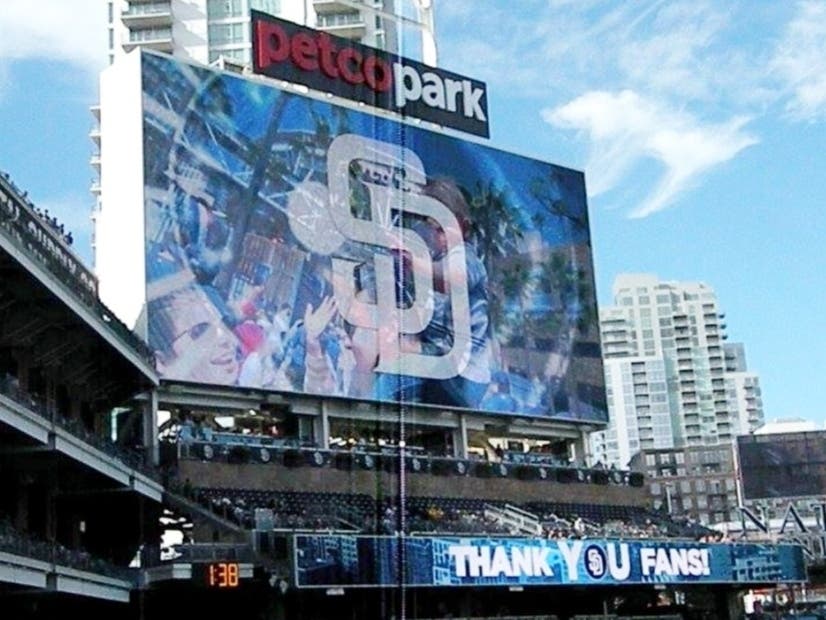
321 427
582 446
460 439
150 428
729 605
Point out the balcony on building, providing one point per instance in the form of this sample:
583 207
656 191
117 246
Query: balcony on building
330 6
147 15
94 134
156 38
349 25
94 161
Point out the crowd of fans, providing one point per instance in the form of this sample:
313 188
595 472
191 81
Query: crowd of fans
10 387
50 220
439 515
17 542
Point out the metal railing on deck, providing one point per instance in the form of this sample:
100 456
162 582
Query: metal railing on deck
133 459
25 229
15 542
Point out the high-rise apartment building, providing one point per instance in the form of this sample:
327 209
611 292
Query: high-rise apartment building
208 30
743 387
218 32
672 380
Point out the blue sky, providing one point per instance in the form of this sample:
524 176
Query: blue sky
701 127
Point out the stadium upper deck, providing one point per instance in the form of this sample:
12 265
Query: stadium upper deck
80 490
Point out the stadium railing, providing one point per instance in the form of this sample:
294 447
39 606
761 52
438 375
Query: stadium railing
134 460
240 448
63 276
15 542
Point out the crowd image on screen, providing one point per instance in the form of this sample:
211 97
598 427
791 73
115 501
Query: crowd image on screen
297 297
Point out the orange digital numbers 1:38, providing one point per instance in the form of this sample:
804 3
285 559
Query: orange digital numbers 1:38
222 575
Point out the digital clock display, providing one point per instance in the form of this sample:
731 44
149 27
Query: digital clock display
222 575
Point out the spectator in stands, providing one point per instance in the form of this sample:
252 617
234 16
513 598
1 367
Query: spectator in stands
207 434
186 433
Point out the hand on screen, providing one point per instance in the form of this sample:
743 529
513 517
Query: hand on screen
315 321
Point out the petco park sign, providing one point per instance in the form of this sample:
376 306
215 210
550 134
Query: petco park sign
287 51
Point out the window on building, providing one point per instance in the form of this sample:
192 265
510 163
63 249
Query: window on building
220 9
327 20
226 34
150 34
273 7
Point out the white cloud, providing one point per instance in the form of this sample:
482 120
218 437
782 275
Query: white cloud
73 31
800 61
638 81
624 128
696 49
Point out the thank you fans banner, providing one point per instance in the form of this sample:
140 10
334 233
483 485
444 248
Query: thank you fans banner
335 561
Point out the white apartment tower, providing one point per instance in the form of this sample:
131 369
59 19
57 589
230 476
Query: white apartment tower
207 30
218 32
743 387
672 381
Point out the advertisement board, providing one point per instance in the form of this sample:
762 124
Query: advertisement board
336 560
287 51
783 465
299 246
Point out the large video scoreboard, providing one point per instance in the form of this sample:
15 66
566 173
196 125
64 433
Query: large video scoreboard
295 245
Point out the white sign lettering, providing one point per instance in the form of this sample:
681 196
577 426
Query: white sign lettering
499 561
